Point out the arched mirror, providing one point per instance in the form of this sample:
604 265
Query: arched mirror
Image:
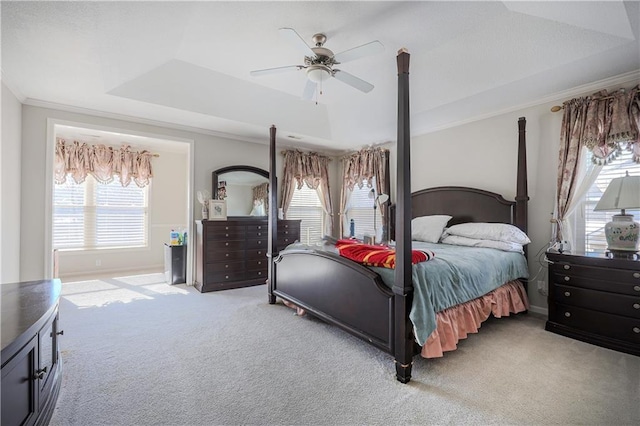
244 188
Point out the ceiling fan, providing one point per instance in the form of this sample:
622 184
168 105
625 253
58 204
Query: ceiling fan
319 62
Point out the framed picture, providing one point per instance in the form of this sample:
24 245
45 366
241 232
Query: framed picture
217 210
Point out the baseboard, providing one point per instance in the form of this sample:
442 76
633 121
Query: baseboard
539 310
109 273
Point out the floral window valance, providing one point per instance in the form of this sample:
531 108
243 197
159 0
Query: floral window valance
79 159
365 164
605 123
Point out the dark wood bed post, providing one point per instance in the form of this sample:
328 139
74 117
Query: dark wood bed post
272 250
522 197
403 286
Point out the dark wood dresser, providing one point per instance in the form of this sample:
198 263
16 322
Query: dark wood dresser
596 300
233 253
31 365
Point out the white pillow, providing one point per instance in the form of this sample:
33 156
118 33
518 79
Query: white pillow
471 242
428 228
490 231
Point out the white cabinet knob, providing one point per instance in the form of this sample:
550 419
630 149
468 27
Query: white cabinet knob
567 293
567 278
567 314
636 306
636 275
567 266
636 288
636 329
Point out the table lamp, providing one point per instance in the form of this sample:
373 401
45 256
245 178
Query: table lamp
380 199
622 232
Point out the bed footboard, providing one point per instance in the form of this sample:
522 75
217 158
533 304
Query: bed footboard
338 291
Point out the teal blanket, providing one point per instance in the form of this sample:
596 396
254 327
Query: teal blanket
455 275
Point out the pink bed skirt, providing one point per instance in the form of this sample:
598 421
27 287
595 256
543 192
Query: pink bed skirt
457 322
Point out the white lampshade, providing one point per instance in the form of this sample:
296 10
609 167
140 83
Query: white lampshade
622 193
622 232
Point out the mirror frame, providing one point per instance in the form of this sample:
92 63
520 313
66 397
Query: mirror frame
240 168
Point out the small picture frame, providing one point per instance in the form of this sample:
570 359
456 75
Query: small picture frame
217 210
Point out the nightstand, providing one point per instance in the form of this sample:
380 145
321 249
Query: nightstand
595 299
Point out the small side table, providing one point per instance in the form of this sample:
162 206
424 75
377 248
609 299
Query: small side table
175 264
595 299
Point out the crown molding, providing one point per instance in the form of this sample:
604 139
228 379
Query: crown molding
12 87
139 120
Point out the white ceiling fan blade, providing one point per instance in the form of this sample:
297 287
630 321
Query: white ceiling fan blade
295 40
277 70
309 90
353 81
358 52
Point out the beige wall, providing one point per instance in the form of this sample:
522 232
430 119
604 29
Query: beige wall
10 183
209 153
168 198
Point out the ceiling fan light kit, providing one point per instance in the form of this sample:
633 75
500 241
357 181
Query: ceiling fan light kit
319 62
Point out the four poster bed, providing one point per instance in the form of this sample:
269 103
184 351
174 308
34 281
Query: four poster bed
380 305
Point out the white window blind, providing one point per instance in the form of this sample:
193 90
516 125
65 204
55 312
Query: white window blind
361 211
595 241
93 215
305 205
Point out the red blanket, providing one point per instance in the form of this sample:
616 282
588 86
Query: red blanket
383 256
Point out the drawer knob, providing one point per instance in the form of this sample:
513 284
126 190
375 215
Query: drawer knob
226 227
226 277
636 306
259 242
259 227
567 278
226 244
259 252
260 263
636 330
636 288
259 234
226 266
567 293
227 254
226 235
567 266
259 273
636 275
567 314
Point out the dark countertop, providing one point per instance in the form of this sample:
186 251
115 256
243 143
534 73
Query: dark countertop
24 306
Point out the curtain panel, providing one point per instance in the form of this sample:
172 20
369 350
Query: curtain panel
79 159
359 167
312 169
603 123
261 194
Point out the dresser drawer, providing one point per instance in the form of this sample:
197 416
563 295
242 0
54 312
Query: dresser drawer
257 234
257 227
224 255
257 264
610 285
222 277
219 233
231 245
233 266
614 326
256 274
257 253
628 276
598 300
283 242
257 244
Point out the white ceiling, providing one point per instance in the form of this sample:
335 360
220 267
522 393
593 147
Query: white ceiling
188 63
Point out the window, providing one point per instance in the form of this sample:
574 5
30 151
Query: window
93 215
305 205
360 208
594 222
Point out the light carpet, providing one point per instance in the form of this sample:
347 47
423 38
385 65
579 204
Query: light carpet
137 351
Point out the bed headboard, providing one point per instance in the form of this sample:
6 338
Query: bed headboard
463 203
